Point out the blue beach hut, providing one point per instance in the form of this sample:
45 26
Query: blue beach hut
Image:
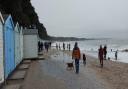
17 45
1 50
9 63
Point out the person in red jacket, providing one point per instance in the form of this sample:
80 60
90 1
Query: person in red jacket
100 55
76 55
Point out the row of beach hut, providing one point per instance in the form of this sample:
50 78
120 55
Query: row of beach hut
16 44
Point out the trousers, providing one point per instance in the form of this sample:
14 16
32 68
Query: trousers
77 65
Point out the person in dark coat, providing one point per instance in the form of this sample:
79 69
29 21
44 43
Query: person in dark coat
69 46
41 44
63 46
56 46
59 47
105 52
38 46
116 53
100 55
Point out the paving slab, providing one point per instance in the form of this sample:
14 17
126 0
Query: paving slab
10 82
24 66
41 58
13 86
19 74
27 61
40 53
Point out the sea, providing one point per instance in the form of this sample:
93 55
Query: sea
90 47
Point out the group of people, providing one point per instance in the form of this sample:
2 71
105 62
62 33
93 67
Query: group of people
58 46
76 55
40 46
68 46
44 45
102 52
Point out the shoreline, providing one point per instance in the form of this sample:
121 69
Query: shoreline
122 56
91 47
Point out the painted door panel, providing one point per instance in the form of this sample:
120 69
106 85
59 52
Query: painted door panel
9 51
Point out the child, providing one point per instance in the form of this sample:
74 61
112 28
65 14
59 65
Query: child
84 59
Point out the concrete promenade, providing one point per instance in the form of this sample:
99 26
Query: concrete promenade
51 73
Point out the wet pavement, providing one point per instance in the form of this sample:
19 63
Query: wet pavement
55 66
52 73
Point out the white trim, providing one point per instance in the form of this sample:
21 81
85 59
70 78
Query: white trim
1 18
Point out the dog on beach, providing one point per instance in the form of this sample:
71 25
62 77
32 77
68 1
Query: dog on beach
70 66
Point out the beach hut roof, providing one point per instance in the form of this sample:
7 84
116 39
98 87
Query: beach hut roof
1 18
30 31
17 27
6 16
15 23
21 29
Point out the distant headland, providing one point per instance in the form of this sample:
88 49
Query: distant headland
54 38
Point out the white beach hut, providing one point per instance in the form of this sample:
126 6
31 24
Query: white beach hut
21 43
17 44
1 50
30 43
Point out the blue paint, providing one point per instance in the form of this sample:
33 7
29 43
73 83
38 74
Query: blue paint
9 46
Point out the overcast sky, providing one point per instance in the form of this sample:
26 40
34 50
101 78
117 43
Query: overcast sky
84 18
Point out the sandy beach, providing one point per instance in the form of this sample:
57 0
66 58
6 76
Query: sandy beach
51 73
114 73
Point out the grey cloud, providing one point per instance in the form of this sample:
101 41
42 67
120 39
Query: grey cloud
78 17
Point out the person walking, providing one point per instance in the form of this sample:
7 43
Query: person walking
76 55
100 55
59 47
63 46
84 59
42 46
116 53
69 46
38 46
105 52
46 46
56 46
